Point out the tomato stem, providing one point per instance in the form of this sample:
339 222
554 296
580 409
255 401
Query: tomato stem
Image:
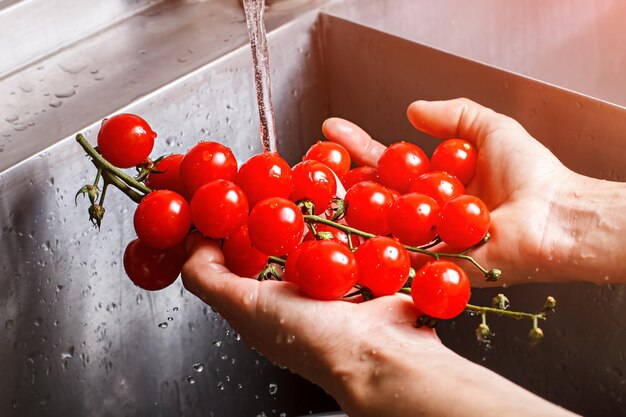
519 315
277 260
417 249
107 167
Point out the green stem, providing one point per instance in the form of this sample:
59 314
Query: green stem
514 314
120 185
277 260
104 192
417 249
106 166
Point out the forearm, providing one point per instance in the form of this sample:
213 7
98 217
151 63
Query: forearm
427 379
588 231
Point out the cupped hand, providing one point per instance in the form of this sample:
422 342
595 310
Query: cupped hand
324 341
517 177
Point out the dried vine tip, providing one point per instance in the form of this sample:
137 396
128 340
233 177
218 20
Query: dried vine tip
493 275
427 321
500 301
550 304
307 206
486 237
483 333
92 191
340 211
535 335
96 213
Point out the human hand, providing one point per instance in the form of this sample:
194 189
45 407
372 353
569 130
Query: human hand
519 179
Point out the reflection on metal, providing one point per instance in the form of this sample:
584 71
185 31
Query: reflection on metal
76 334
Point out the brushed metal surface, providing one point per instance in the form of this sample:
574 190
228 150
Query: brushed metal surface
79 339
576 44
580 364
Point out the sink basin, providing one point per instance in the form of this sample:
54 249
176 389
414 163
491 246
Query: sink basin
78 337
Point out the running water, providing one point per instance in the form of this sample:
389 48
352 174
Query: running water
256 30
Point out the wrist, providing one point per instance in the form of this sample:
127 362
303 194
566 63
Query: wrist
586 233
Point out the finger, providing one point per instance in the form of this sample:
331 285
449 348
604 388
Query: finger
362 148
458 118
205 275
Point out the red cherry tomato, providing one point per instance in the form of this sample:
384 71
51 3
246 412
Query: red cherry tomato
384 265
463 221
263 176
314 181
292 262
339 236
359 174
275 226
400 164
412 218
219 209
325 270
153 269
368 205
457 157
125 140
241 258
206 162
440 289
162 219
439 185
331 154
169 177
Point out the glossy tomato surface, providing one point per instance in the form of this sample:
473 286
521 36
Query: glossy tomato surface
125 140
457 157
439 185
263 176
275 226
441 289
315 182
331 154
384 265
412 218
219 208
162 219
463 221
206 162
153 269
400 164
241 258
368 204
168 177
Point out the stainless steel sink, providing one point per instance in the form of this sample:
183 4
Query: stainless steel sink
80 339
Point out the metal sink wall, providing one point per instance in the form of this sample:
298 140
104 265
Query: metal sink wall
78 338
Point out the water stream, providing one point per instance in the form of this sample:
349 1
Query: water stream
254 10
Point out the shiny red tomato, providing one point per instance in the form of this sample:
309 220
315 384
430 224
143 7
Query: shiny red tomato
463 221
153 269
162 219
169 176
275 226
339 236
315 182
125 140
368 204
241 258
219 209
384 265
412 218
457 157
400 164
439 185
206 162
359 174
331 154
324 270
440 289
263 176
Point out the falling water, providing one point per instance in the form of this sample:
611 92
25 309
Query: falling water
256 30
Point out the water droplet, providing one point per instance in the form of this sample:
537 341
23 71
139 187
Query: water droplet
191 380
198 367
59 288
217 343
163 325
175 309
273 389
26 89
8 324
12 118
69 354
170 319
183 59
72 68
20 128
38 322
55 103
65 93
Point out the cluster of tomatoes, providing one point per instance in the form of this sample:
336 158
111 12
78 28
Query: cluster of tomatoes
266 209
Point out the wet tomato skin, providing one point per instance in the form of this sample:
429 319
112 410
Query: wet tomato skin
125 140
153 269
162 219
